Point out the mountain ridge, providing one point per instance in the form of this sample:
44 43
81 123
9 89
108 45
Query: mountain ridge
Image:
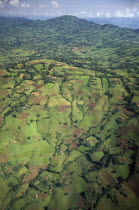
63 20
64 33
123 22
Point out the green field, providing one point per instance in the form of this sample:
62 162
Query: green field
69 122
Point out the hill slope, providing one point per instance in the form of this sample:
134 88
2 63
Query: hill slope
69 103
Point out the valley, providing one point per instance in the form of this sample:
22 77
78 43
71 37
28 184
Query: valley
69 115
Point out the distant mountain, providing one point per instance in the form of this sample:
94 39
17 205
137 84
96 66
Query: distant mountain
121 22
58 37
68 29
6 22
67 24
132 23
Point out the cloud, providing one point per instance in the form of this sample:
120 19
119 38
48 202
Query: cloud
25 5
130 15
82 13
127 10
107 14
1 5
55 4
135 9
103 14
98 14
126 13
14 3
119 14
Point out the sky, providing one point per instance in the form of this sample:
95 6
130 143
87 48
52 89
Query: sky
79 8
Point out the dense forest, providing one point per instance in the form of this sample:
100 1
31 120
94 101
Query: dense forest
69 106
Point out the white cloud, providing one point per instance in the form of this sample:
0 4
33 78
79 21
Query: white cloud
82 14
126 13
102 14
25 5
108 15
127 10
98 14
55 4
119 14
14 3
129 15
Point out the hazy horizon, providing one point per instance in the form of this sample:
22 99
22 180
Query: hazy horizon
79 8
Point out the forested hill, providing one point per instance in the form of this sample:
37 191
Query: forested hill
64 30
68 115
8 22
57 38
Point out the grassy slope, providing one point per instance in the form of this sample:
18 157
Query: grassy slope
75 139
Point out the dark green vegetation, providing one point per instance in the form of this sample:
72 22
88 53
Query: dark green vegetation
69 115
